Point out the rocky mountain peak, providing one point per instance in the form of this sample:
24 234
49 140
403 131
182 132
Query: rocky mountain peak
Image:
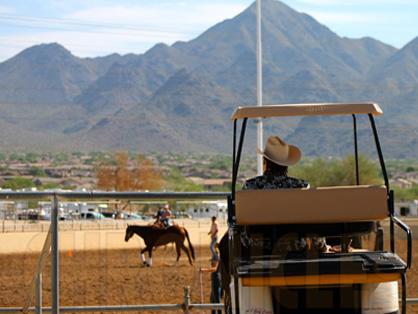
186 92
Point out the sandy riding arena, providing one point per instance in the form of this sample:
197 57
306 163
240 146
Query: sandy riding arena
97 267
114 276
109 277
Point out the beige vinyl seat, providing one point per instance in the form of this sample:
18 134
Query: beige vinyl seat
323 205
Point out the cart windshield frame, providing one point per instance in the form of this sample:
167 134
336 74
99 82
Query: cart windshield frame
318 109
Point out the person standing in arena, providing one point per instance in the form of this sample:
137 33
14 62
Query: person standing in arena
213 232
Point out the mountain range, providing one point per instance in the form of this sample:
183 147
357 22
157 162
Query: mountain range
180 97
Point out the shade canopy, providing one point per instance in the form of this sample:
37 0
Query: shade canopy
320 109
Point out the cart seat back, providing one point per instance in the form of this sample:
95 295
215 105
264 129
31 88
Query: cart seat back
311 205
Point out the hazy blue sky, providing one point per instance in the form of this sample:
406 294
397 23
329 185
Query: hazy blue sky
100 27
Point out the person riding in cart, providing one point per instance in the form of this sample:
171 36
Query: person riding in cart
277 156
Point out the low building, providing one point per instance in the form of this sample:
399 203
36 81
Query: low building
209 209
401 183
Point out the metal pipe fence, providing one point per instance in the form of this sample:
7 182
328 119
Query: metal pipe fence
85 225
106 196
186 306
121 308
55 198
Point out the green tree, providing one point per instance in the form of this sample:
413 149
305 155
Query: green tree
31 158
175 181
18 183
322 172
51 186
60 158
410 169
37 172
409 194
17 157
221 162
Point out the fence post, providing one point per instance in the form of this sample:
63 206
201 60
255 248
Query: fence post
54 258
201 285
38 294
186 299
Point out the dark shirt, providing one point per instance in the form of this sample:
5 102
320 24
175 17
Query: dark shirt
274 182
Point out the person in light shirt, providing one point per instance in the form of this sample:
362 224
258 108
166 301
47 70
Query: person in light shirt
213 232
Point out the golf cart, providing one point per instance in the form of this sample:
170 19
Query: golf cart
361 280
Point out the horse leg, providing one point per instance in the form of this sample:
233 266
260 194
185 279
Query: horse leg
178 250
149 264
185 249
143 257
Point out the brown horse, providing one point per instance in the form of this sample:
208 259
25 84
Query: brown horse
154 236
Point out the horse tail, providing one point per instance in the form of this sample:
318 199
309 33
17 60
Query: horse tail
190 243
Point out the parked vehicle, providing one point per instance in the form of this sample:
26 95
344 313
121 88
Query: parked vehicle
92 216
111 215
132 216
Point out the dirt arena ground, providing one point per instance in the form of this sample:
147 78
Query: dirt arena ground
108 277
111 277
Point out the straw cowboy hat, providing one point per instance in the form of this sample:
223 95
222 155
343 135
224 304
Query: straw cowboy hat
281 153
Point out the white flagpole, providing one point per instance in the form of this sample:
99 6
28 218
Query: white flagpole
259 89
